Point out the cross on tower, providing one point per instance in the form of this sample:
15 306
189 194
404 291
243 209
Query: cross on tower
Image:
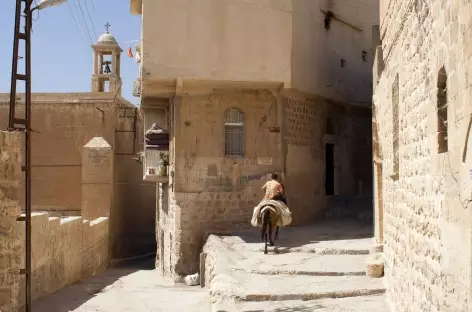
107 25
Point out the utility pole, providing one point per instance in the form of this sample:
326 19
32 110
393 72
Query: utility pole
24 12
23 124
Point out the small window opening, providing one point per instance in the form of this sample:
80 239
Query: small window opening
442 111
364 56
343 63
234 133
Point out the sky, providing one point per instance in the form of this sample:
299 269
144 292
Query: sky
61 44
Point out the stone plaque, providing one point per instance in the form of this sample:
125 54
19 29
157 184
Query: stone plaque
264 161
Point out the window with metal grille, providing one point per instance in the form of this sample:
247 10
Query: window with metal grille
442 111
234 132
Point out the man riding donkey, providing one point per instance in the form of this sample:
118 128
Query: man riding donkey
272 212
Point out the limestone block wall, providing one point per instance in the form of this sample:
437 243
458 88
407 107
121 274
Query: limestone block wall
64 250
10 251
63 123
209 192
426 202
61 130
309 123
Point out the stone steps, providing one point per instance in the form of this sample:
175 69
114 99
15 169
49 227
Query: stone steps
302 264
311 272
283 245
255 287
353 304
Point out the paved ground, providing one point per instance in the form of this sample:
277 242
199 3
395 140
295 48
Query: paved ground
318 267
314 268
131 289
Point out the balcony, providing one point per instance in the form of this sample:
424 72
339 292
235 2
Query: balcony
151 167
137 88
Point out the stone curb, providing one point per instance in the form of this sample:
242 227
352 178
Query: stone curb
312 296
307 273
321 251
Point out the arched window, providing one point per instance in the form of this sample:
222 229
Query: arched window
442 111
234 132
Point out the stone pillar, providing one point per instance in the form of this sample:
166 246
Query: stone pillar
11 158
97 179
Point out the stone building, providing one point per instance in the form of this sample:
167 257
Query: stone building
245 89
422 157
63 123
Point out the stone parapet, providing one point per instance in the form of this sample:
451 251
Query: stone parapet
64 251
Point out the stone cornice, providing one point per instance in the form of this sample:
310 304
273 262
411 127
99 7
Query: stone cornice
71 99
166 88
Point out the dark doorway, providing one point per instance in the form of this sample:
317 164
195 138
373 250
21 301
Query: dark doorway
329 169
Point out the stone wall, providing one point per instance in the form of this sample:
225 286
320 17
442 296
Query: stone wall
310 122
279 41
64 251
213 193
11 159
62 124
426 201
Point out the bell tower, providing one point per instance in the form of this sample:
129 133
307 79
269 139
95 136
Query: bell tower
106 64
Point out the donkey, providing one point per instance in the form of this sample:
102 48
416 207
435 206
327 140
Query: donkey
268 221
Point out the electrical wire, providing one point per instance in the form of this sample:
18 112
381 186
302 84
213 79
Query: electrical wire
90 18
79 10
93 6
76 25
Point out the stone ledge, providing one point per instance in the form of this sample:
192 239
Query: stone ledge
375 265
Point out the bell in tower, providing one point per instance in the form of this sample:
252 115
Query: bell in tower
106 64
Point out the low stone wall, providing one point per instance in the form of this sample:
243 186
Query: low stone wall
64 250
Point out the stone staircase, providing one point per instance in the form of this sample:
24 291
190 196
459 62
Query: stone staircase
321 275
